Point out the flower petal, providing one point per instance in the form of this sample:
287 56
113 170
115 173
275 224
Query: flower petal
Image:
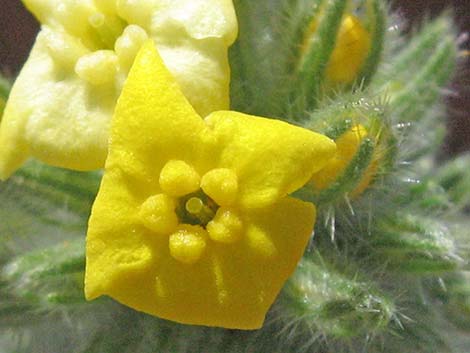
153 122
118 242
271 158
204 19
52 115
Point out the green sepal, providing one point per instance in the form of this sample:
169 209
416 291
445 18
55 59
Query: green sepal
405 60
453 293
411 102
39 199
79 188
414 244
44 215
311 69
427 195
414 75
41 282
336 130
337 306
268 30
377 18
442 189
349 179
454 178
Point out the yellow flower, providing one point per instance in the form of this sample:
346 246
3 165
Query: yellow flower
192 221
62 102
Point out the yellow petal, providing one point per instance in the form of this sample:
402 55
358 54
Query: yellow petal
153 122
351 50
271 158
119 244
202 20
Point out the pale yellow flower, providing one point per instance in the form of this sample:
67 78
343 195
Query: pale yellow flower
62 102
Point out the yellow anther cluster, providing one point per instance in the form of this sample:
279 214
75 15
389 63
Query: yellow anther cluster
221 185
158 214
97 68
226 227
188 243
178 178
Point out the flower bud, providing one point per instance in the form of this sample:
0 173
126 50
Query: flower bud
353 43
365 147
339 49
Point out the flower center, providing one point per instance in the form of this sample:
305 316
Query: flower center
196 208
192 210
98 45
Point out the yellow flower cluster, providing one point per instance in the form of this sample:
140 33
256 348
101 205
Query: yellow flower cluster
192 221
61 104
